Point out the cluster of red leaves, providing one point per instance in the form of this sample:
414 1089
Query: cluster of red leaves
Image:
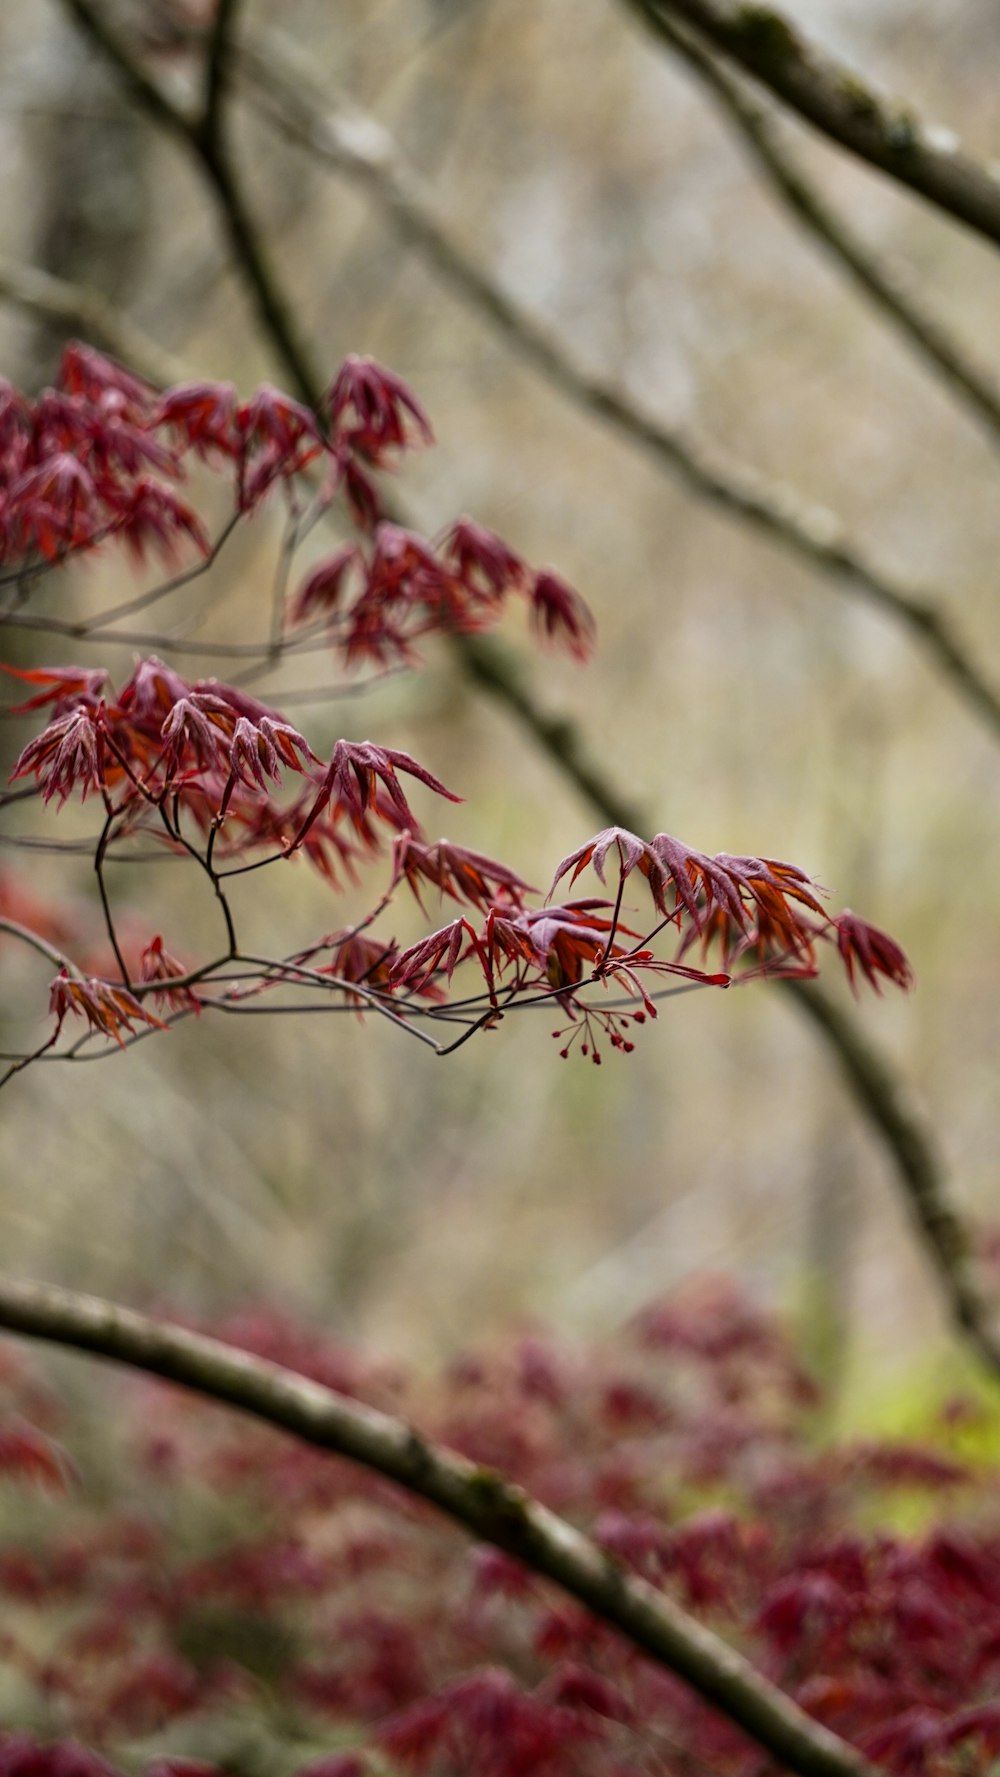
209 749
163 748
377 598
198 763
240 1575
100 456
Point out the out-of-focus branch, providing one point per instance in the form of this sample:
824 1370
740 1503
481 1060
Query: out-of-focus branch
35 941
360 149
888 286
475 1497
885 1103
845 106
218 58
273 306
34 291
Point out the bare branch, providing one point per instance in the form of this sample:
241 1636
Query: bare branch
844 106
890 287
146 91
14 929
361 150
273 307
217 69
885 1102
37 293
477 1498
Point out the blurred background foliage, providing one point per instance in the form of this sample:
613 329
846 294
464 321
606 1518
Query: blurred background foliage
748 703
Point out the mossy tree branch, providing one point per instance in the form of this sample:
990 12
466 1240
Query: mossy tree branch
844 106
477 1498
888 286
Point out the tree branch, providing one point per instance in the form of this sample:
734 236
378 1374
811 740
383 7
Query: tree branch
218 60
207 148
477 1498
839 102
884 1102
361 150
889 287
37 293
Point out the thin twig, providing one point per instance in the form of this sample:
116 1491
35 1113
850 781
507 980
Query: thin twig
15 929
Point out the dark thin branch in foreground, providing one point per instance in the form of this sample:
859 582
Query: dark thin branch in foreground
361 150
475 1497
844 106
884 1102
887 285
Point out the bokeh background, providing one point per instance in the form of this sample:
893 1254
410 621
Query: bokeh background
747 702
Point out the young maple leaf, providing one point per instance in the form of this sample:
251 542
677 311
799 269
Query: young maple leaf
863 946
108 1009
464 875
633 853
560 614
277 437
259 750
56 501
67 755
374 410
152 691
150 513
364 959
202 414
321 589
352 780
441 950
157 964
568 939
61 685
199 727
482 561
763 878
85 371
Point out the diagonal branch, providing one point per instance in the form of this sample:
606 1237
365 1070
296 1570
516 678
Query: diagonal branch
273 305
887 285
844 106
885 1103
38 293
359 148
218 59
475 1497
